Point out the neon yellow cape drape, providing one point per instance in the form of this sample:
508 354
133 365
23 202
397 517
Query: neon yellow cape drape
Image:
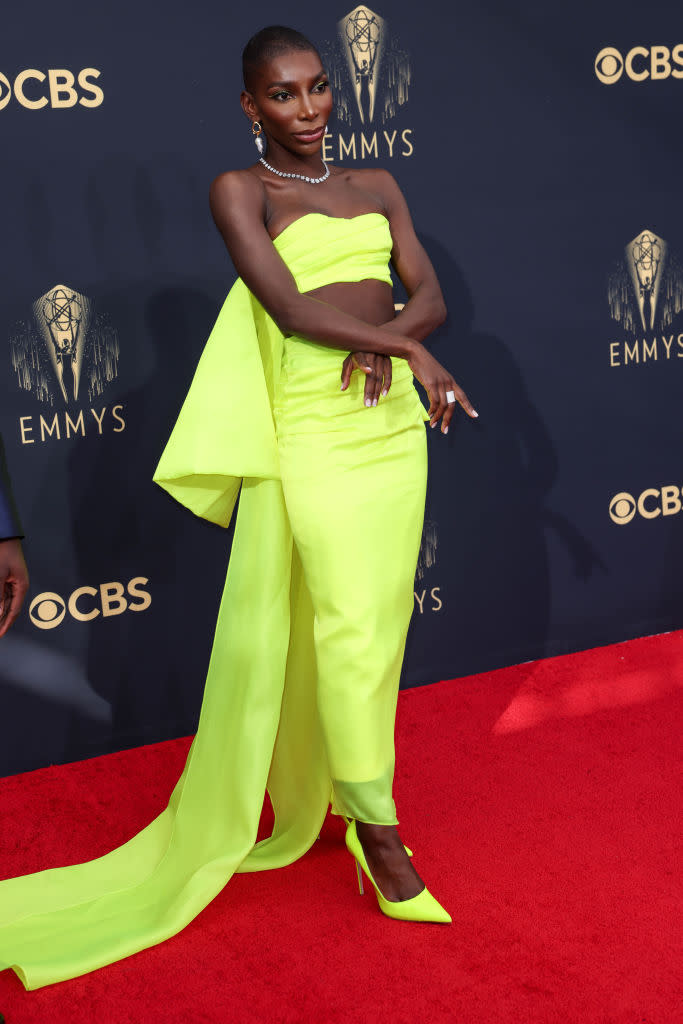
256 719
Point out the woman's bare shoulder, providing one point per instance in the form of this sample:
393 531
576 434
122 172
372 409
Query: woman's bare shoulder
367 176
243 183
377 180
234 195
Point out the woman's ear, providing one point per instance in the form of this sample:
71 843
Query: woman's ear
248 105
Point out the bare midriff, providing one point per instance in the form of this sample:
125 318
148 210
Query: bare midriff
370 301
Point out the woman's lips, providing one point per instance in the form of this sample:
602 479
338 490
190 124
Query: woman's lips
311 136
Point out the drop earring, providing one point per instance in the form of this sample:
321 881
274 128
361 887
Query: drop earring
257 132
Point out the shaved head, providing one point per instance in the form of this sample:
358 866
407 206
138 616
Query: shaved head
268 43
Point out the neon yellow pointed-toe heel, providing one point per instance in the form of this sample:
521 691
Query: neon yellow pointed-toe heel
422 907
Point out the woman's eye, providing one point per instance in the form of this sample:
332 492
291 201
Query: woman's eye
280 96
321 86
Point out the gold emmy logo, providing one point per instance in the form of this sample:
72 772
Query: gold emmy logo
645 295
63 89
640 63
65 354
651 503
47 610
371 78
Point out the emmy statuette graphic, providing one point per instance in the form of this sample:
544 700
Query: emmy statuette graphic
362 38
65 351
645 287
63 318
645 256
369 71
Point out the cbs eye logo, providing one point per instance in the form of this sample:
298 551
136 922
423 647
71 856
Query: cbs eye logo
622 508
652 503
640 63
47 610
609 65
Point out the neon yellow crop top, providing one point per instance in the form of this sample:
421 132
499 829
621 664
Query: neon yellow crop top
320 249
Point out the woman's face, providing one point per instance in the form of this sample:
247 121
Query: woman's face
290 96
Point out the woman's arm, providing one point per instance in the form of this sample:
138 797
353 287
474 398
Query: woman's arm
425 309
238 206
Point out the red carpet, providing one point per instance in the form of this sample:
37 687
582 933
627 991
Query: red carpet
542 805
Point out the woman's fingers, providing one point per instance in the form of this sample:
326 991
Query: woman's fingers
455 394
379 378
442 390
461 397
373 386
373 366
382 379
433 399
441 403
452 396
355 361
378 374
347 370
366 361
387 375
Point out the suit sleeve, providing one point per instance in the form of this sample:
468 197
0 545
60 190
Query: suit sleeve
10 525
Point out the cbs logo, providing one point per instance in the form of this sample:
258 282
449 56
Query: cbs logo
639 63
650 504
47 610
59 88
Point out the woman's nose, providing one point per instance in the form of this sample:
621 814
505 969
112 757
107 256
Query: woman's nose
307 109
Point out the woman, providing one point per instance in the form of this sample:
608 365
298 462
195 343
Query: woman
301 691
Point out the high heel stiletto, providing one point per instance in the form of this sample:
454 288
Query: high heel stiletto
422 907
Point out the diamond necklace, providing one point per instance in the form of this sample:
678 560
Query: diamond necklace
301 177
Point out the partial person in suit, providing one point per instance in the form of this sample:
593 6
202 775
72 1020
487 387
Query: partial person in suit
13 571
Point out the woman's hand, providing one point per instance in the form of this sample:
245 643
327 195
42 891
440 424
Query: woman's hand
377 370
437 382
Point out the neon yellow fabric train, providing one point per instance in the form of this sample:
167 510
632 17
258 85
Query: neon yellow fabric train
301 690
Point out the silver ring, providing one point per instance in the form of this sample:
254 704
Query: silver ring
450 397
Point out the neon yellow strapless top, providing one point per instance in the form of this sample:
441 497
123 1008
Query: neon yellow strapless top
225 429
317 251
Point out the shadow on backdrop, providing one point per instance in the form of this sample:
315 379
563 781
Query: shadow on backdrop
489 482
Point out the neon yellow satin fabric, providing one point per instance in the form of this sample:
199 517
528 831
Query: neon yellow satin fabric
302 612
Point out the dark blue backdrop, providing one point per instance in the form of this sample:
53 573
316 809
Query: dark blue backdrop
546 190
